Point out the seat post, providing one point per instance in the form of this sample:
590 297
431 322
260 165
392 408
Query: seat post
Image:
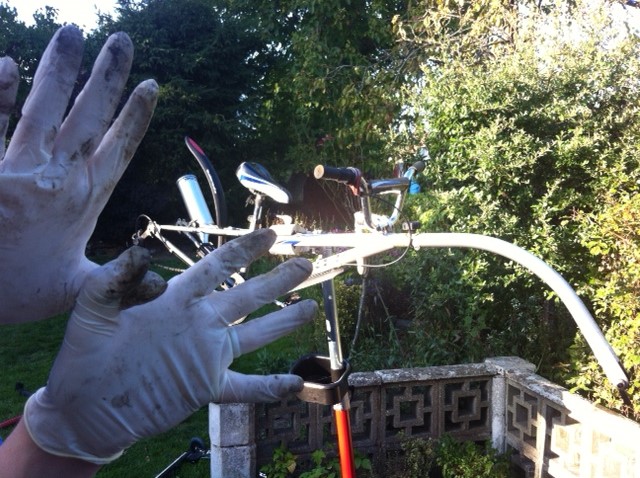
257 211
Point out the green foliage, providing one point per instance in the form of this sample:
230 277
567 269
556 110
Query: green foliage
28 350
530 122
467 460
419 457
612 236
282 465
382 349
269 362
322 467
447 458
330 99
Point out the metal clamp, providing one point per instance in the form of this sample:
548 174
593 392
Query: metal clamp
319 387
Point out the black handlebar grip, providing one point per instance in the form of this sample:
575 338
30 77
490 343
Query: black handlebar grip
418 166
343 175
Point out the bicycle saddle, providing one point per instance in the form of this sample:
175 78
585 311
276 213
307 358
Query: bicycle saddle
257 179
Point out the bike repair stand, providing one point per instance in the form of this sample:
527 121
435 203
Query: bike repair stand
326 382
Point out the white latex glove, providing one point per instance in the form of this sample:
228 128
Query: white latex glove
122 375
58 173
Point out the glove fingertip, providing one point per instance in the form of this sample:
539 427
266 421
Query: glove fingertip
151 287
286 384
297 384
9 76
258 388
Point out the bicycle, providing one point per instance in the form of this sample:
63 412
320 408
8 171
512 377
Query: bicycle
325 378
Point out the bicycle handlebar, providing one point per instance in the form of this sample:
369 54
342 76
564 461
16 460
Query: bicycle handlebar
365 189
351 176
415 168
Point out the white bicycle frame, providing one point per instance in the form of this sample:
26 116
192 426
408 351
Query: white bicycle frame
373 235
348 249
357 246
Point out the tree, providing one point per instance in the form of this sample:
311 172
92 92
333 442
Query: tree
201 54
530 117
329 96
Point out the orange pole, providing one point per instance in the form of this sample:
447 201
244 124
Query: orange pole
345 445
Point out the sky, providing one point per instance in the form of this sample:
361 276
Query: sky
81 12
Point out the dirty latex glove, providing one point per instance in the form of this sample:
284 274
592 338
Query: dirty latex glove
122 375
58 172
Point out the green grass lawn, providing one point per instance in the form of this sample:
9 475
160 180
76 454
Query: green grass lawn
28 350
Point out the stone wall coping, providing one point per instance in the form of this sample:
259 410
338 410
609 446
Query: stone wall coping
421 374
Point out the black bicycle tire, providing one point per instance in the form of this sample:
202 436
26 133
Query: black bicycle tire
215 185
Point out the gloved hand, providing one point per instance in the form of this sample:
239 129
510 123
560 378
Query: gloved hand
122 375
58 173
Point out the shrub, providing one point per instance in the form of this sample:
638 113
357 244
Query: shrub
612 236
467 460
531 121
